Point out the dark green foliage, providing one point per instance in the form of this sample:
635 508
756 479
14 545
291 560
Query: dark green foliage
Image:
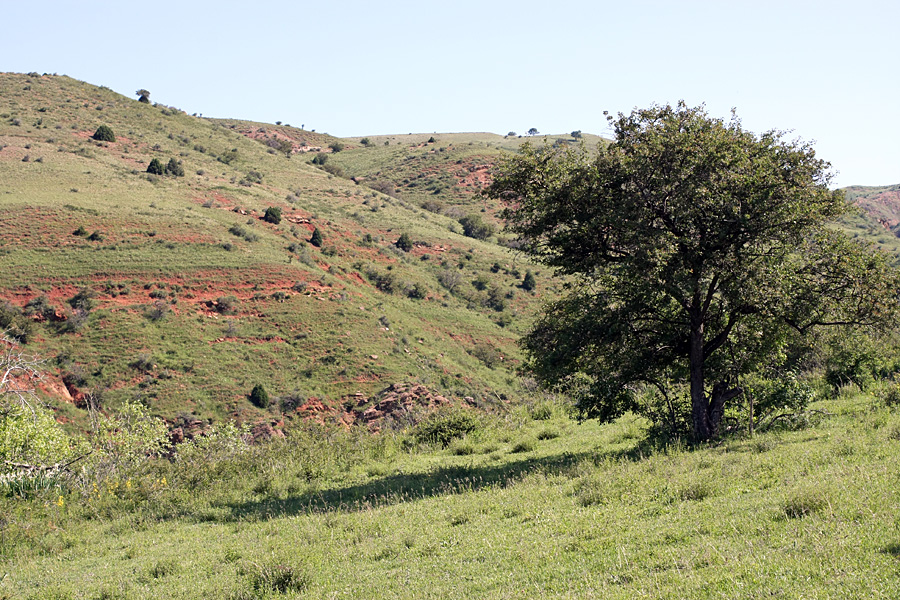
104 134
853 360
577 134
81 231
487 354
226 304
174 168
446 426
333 170
529 282
385 282
417 292
404 242
336 146
319 159
699 250
228 156
40 306
157 311
143 96
156 167
273 215
259 397
14 324
474 226
252 177
365 142
83 300
431 140
95 236
316 239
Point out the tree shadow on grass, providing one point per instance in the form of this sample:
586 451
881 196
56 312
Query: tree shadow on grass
406 487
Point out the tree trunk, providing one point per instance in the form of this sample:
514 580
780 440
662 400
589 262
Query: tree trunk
699 405
706 412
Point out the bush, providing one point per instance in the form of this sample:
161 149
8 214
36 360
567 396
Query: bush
336 146
259 397
529 283
14 323
316 239
334 170
226 304
404 243
444 427
83 300
319 159
175 168
156 167
104 134
273 215
474 226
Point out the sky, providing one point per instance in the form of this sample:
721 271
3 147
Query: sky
826 72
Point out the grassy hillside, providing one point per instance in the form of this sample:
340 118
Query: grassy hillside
197 298
530 505
878 219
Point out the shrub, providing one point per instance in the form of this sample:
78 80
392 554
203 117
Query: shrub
259 397
175 168
226 304
316 239
104 134
365 142
157 311
404 243
474 226
228 157
273 215
14 323
156 167
83 300
336 146
444 427
81 231
334 170
529 283
319 159
487 354
40 305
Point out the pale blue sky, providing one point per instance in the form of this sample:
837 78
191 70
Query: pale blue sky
828 71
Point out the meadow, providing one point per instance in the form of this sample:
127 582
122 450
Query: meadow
530 503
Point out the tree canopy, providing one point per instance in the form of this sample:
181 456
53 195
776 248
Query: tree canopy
696 249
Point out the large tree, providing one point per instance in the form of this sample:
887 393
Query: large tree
695 251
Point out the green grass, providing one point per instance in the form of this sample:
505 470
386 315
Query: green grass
591 512
172 236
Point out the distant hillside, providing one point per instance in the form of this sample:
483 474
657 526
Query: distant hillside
176 291
879 218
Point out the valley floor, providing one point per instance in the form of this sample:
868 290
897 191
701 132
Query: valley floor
523 508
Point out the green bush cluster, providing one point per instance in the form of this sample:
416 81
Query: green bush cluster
104 134
445 426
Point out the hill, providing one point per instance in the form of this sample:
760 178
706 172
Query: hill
175 290
878 219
